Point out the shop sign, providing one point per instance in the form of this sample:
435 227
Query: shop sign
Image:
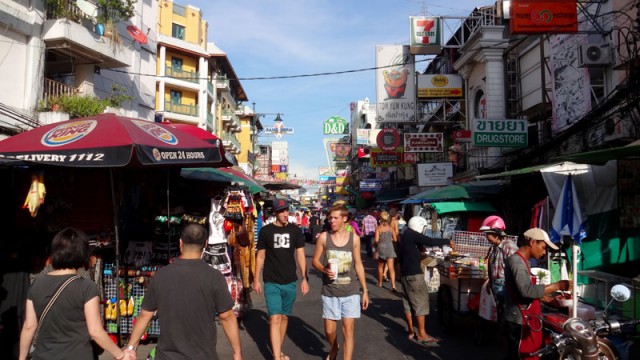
381 158
275 168
434 174
410 158
500 132
423 142
362 136
343 180
439 86
278 129
370 185
363 153
543 17
388 139
395 84
335 125
324 170
326 178
462 136
426 37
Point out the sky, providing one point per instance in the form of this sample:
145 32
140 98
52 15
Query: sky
279 38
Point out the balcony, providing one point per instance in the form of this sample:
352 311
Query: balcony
229 116
210 87
209 121
69 32
231 143
222 84
53 89
183 109
191 76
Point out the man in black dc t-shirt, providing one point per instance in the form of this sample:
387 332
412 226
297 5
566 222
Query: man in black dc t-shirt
280 244
187 294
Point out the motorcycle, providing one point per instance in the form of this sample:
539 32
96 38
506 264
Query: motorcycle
577 339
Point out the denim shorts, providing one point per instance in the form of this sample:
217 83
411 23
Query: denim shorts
336 308
279 298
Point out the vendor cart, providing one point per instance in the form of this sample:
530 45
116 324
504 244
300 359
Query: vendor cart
461 276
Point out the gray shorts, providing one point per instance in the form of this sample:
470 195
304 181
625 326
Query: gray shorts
415 297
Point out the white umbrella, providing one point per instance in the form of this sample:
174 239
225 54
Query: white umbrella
567 221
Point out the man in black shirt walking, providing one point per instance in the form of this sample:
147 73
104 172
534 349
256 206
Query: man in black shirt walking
415 293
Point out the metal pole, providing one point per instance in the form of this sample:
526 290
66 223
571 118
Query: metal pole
117 262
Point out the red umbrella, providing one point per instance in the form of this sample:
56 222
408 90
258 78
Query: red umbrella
108 140
227 158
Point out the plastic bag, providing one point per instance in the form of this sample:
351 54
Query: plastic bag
487 308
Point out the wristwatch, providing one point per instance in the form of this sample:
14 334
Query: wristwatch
131 347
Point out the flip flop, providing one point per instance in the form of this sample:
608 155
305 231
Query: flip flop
428 342
336 355
283 356
411 336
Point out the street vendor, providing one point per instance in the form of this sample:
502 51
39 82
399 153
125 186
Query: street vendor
501 248
523 295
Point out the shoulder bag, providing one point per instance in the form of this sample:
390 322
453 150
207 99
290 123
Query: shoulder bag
46 311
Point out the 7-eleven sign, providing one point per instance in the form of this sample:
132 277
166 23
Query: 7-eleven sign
425 35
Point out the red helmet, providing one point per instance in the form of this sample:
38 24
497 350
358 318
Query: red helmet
494 224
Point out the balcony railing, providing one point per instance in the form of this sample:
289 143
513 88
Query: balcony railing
65 9
210 86
210 120
184 109
222 84
192 76
232 139
53 89
231 117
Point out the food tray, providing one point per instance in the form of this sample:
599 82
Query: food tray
461 272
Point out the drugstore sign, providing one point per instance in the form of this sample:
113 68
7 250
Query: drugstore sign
500 132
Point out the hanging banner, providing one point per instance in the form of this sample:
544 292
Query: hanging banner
423 142
439 86
395 84
543 17
426 36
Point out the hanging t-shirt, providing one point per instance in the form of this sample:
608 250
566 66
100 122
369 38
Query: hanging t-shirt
280 243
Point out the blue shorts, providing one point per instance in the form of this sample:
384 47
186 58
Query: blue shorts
336 308
279 298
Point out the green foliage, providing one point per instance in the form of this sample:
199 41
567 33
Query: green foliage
114 11
118 96
80 105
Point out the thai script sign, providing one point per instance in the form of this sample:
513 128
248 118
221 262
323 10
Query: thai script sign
500 132
395 84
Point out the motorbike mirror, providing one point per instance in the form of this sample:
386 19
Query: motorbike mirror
620 293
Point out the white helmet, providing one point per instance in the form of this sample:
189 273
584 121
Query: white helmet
417 223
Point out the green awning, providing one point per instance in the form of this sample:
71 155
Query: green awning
600 157
222 175
523 171
462 206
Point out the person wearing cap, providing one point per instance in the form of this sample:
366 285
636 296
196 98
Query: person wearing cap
523 295
280 246
500 249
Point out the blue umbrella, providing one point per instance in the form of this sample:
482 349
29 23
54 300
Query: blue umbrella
567 219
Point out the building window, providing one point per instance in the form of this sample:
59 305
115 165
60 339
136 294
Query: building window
598 86
176 97
480 105
179 10
177 31
176 64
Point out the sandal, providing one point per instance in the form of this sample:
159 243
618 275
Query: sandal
283 356
335 356
429 341
411 336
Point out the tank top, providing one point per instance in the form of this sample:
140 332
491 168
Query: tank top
345 284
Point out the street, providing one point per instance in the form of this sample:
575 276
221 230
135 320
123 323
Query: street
379 334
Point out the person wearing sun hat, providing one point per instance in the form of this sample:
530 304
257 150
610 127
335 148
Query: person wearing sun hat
523 295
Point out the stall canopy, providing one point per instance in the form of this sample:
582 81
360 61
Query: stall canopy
108 140
462 206
228 159
223 175
280 185
391 195
472 190
599 157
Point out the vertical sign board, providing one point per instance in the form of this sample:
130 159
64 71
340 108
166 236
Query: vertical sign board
500 132
434 174
425 35
362 136
395 84
279 155
543 17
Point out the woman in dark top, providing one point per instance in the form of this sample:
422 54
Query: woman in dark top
74 318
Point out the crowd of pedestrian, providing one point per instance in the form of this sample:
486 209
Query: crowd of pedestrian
192 286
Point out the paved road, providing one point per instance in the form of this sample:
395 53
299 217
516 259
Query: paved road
380 332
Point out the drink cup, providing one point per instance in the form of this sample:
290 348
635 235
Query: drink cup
333 267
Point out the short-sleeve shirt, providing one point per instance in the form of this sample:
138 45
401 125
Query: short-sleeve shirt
63 333
187 295
280 244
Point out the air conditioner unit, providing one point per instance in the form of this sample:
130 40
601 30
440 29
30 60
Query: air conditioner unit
594 55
